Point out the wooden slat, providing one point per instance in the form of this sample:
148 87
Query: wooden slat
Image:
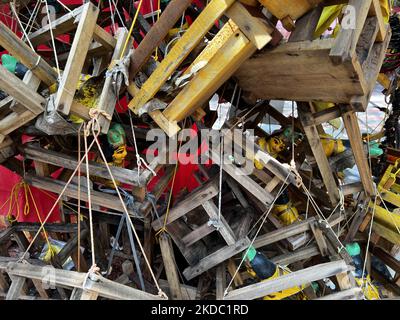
287 281
347 39
216 258
194 200
26 55
350 121
108 96
21 92
76 58
213 11
104 287
171 271
17 284
69 162
224 229
156 34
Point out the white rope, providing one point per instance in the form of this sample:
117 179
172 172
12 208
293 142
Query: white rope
266 213
367 248
64 6
86 134
119 15
139 160
52 40
21 26
128 218
112 15
56 202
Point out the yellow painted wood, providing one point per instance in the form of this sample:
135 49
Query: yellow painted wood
170 127
391 197
388 234
237 49
213 11
255 29
214 45
386 218
289 8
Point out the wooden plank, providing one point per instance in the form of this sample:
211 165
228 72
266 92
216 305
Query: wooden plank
318 153
98 198
108 97
219 69
171 14
254 28
287 281
26 55
62 25
220 281
350 121
104 287
96 169
215 258
104 38
289 231
195 199
171 271
376 11
320 239
198 234
244 180
298 255
346 41
76 58
21 91
17 284
350 294
213 11
224 229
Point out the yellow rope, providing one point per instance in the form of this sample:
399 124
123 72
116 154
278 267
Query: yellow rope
131 29
163 229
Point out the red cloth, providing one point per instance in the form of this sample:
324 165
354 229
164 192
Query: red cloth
44 202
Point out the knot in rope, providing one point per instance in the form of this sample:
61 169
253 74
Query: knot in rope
162 294
94 114
94 270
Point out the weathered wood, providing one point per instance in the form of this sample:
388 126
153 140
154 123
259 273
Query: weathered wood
215 258
350 121
287 281
224 229
17 284
108 96
195 199
76 58
156 34
213 11
104 287
171 271
318 153
70 162
350 294
220 281
27 56
21 92
346 42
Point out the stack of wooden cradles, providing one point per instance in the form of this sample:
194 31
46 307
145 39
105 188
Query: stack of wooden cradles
191 245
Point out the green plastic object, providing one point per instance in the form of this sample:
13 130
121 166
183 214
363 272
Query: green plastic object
9 62
116 135
250 253
374 149
353 249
